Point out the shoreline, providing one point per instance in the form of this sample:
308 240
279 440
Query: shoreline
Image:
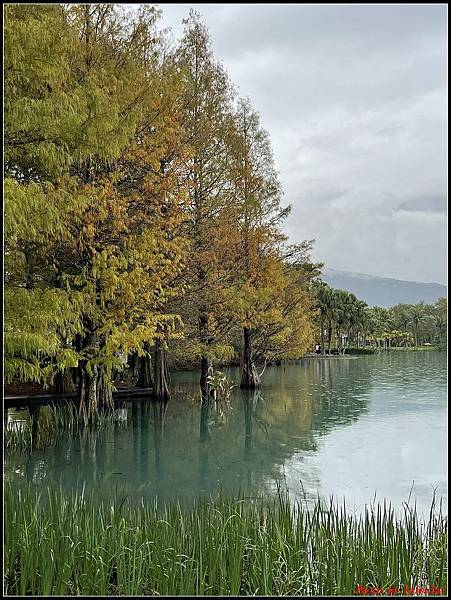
321 356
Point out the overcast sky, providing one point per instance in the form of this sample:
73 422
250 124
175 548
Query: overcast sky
354 98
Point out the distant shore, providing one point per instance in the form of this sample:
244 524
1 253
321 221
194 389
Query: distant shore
314 355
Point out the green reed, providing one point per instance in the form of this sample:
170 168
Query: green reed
53 422
17 436
58 544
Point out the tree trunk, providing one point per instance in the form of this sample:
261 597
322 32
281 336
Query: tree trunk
95 391
95 384
104 391
145 369
161 373
205 363
329 339
249 379
323 349
64 382
205 367
87 390
134 370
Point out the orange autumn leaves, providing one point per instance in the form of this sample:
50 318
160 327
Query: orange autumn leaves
140 196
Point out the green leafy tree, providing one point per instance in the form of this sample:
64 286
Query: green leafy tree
96 129
441 320
206 101
257 201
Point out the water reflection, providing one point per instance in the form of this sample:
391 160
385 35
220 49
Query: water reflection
205 406
159 412
250 400
307 428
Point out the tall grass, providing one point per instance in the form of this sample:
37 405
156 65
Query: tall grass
70 545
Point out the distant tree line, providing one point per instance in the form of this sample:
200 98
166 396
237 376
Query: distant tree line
344 321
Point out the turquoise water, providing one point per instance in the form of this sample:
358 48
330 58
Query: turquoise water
358 429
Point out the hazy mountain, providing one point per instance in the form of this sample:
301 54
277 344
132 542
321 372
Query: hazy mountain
383 291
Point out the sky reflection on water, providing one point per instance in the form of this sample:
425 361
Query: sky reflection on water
352 428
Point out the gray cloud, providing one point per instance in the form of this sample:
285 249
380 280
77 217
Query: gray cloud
354 99
431 204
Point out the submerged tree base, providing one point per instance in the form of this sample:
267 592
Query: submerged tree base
220 547
250 379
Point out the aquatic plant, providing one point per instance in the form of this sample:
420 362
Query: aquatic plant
53 421
57 544
220 385
17 435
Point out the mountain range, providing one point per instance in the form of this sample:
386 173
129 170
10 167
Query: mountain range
384 291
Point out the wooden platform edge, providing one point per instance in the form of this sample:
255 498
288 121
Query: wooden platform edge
23 402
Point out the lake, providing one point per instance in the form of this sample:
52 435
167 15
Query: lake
358 428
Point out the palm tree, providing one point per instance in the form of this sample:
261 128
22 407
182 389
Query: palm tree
345 303
381 324
324 306
440 320
417 314
321 290
360 318
400 314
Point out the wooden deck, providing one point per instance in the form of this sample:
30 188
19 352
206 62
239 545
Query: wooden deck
25 402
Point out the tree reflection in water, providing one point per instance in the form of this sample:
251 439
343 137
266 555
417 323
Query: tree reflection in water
241 446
